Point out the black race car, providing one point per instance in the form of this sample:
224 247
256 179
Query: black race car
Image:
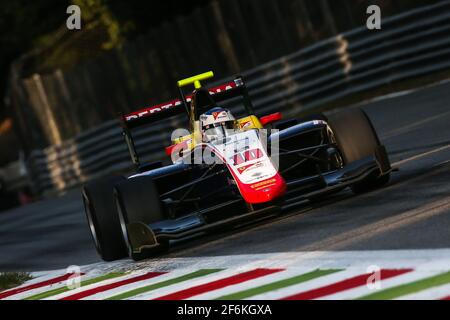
228 171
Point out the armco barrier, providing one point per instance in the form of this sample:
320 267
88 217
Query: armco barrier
409 45
13 177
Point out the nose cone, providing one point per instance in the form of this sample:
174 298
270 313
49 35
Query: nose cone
264 191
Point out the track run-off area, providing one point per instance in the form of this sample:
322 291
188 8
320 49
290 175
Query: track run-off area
391 243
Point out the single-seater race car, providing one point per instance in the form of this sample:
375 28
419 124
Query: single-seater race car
228 171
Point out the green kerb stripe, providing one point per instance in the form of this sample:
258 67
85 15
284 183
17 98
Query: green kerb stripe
84 283
409 288
278 284
189 276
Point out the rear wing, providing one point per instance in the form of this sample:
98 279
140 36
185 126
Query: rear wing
162 111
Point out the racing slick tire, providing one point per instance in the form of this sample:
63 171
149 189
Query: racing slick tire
103 219
138 201
357 139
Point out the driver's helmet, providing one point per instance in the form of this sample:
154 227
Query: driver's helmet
215 123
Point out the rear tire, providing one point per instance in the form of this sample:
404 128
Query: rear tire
357 139
138 201
103 219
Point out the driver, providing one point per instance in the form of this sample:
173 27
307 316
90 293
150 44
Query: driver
215 123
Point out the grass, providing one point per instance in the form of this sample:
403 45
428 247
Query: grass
10 280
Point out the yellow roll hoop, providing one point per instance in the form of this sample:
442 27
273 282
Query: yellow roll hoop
195 80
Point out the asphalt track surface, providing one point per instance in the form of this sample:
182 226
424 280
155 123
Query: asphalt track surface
412 212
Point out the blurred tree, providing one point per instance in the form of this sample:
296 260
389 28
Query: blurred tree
21 23
26 24
106 24
39 26
95 12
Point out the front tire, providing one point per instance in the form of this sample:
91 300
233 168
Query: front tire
103 219
138 200
356 139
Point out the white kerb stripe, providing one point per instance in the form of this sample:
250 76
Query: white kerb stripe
189 284
385 284
139 284
310 285
435 293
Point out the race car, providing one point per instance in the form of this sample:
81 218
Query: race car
230 168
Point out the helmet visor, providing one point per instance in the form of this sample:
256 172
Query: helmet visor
218 131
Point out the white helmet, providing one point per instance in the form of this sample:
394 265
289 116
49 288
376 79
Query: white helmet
215 123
